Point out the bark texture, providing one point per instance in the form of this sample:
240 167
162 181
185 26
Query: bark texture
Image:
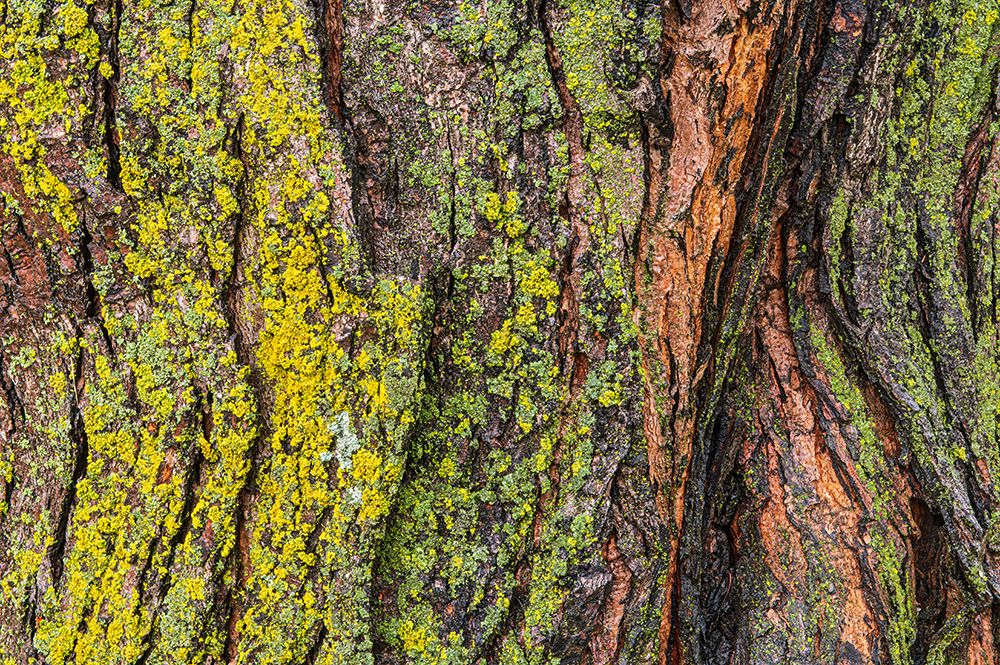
499 332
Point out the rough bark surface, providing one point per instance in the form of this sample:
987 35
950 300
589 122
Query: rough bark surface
499 332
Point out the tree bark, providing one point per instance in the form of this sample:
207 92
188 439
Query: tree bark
507 332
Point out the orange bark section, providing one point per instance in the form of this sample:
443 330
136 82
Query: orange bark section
719 68
835 512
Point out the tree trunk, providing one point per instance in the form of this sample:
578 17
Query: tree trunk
500 332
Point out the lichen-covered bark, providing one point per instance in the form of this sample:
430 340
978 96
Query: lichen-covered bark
508 332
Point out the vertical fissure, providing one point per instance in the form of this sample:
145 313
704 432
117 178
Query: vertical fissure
330 35
111 141
232 305
78 436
